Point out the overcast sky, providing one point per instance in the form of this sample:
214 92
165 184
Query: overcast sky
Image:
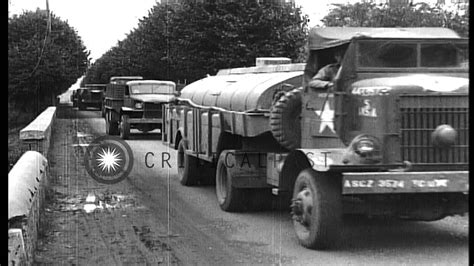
101 23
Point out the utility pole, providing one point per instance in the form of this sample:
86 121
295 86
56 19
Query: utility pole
49 16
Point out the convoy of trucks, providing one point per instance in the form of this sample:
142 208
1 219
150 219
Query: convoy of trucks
390 138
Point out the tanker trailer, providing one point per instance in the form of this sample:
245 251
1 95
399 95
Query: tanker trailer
224 120
390 138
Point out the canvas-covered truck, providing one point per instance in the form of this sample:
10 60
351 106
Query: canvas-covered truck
389 138
136 104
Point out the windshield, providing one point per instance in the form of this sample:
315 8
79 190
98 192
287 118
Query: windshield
396 54
444 55
152 89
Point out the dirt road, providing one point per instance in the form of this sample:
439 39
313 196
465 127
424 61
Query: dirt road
150 218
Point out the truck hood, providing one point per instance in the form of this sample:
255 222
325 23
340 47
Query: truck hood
153 98
419 82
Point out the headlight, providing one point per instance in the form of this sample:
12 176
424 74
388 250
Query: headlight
365 145
364 149
139 105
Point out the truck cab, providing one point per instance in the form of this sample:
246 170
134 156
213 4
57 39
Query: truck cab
391 136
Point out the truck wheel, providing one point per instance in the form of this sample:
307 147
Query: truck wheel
124 127
111 127
230 199
284 119
317 209
187 166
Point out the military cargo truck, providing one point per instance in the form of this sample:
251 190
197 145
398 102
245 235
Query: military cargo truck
90 95
136 104
389 138
115 80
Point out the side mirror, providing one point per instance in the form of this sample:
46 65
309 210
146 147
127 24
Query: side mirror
177 93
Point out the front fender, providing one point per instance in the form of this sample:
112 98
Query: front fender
125 109
321 159
288 166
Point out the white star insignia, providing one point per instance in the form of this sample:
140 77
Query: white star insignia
327 118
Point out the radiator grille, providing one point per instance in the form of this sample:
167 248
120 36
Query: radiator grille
152 110
419 117
96 96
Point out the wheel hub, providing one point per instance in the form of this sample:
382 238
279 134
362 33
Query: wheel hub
301 207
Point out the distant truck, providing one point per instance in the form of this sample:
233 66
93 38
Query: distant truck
117 80
390 138
136 104
88 96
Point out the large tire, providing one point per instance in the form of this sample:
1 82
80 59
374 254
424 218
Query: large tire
111 127
187 166
284 119
102 111
124 127
317 209
230 198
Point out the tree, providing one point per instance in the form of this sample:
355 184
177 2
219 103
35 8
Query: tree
44 59
418 15
188 41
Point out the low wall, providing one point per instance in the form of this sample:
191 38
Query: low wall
36 136
27 183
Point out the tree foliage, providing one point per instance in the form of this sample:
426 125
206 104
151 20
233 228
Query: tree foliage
42 63
188 41
418 15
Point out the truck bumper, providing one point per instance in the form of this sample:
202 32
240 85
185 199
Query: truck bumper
91 103
145 120
405 182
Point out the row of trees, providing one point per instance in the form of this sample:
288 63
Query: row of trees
418 15
45 57
188 41
183 42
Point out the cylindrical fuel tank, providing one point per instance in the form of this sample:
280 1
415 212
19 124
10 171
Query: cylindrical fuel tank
243 89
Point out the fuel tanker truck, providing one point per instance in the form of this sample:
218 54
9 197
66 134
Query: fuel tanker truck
389 138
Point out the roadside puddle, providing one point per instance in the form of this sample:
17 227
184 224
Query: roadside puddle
82 139
97 202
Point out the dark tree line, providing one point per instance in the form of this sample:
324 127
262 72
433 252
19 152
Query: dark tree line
44 59
418 15
188 41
